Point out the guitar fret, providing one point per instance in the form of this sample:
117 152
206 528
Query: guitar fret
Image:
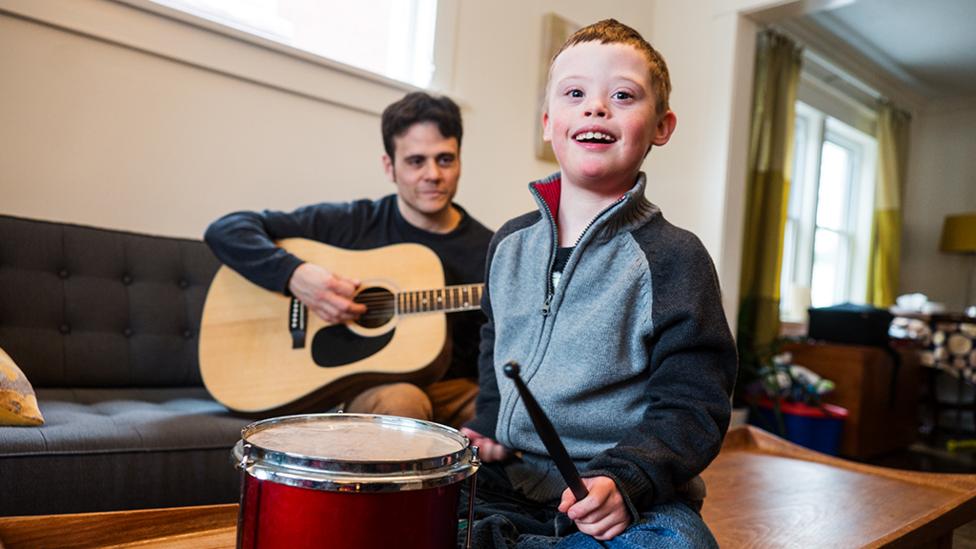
450 298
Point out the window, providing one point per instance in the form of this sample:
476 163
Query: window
393 38
828 222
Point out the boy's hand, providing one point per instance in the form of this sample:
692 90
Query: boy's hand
488 449
601 514
327 294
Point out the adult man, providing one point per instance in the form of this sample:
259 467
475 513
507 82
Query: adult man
422 140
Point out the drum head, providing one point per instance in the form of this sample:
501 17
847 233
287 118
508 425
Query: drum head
363 451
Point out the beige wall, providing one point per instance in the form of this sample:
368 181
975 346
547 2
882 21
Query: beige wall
96 133
941 181
121 136
100 133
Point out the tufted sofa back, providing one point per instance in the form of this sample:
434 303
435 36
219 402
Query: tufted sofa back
87 307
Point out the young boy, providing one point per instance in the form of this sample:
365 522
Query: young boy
615 317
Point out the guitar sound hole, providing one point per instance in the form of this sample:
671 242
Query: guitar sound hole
379 304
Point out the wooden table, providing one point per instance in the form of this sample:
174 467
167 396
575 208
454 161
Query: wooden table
762 492
203 527
766 492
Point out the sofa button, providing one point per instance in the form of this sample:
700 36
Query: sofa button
187 334
64 329
183 283
127 332
63 273
126 279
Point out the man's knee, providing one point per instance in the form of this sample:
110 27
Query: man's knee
394 399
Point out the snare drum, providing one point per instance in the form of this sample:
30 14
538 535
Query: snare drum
351 480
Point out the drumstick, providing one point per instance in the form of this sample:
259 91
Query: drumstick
550 439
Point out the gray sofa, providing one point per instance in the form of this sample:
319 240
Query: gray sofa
104 324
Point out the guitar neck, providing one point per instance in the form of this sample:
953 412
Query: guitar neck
463 297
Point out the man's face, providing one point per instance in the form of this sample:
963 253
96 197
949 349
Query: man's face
601 117
425 169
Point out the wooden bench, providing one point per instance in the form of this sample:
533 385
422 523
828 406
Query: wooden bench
762 492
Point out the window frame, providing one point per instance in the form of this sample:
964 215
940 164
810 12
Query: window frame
442 57
813 128
153 29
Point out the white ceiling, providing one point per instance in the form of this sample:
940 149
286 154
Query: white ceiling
928 45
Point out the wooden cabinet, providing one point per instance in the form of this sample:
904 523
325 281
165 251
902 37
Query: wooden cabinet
882 417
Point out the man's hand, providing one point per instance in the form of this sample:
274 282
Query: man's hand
488 449
601 514
327 294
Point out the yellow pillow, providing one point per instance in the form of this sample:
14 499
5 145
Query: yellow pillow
18 405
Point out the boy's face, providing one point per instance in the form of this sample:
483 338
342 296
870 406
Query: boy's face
425 169
601 117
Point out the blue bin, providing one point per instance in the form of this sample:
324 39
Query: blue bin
809 426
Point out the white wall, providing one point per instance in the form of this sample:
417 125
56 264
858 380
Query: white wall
941 181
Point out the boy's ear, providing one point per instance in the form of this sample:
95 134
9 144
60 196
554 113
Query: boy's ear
388 167
664 129
546 129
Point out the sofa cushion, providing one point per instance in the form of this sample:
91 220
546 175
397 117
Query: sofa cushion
108 449
88 307
18 404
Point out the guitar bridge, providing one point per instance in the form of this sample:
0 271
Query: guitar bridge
297 322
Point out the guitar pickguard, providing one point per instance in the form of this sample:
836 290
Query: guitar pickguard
337 345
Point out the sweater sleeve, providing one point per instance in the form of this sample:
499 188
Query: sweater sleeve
245 241
487 402
692 361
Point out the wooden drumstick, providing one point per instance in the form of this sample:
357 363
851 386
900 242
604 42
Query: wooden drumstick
550 439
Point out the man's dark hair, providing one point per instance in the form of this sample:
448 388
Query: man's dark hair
420 107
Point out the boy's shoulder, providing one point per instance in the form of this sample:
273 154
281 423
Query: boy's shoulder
663 241
516 224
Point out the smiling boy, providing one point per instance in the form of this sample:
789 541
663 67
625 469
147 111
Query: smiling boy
616 318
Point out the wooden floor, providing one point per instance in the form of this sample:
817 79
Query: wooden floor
965 537
930 454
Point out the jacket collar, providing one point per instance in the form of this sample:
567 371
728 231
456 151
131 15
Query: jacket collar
626 214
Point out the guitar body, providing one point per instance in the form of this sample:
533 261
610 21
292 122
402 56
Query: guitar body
247 357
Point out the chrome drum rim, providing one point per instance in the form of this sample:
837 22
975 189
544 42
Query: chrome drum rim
343 475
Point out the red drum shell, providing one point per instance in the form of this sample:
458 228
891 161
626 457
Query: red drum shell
292 500
275 515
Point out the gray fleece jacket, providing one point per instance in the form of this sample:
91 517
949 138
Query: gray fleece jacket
630 355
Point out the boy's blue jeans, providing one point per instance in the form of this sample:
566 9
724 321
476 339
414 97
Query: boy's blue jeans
504 519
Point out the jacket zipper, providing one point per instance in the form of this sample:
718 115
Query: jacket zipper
552 256
550 290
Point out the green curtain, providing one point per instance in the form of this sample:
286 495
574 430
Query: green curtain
892 135
776 77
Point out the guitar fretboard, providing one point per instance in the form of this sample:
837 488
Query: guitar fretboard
465 297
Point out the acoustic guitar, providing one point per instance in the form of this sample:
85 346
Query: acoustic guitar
262 353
